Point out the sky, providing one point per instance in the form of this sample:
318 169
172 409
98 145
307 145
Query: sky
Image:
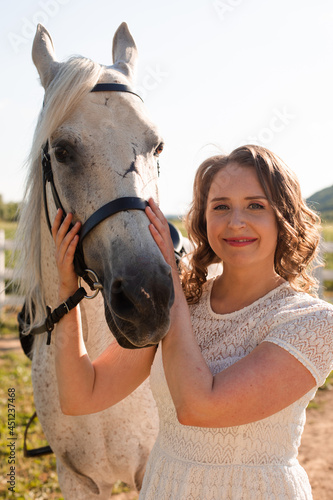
214 74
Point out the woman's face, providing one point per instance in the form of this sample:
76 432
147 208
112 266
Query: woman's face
241 224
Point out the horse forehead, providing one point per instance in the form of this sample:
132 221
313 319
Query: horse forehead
103 112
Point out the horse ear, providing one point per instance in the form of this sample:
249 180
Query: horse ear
43 56
124 51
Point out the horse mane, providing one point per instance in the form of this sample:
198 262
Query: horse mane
74 79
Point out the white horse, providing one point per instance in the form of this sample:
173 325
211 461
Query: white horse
102 146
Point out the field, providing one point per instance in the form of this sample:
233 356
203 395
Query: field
35 478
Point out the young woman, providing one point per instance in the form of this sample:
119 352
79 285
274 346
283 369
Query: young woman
246 351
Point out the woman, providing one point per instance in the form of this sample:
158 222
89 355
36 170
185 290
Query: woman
234 375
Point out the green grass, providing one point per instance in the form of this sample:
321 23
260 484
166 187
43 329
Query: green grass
328 259
328 232
9 227
179 225
8 322
35 478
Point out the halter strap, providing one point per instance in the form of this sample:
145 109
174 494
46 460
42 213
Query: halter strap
114 87
111 208
107 210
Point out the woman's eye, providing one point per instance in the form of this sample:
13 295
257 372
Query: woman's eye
61 154
256 206
159 149
221 207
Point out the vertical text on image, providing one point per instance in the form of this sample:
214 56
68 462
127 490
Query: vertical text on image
11 445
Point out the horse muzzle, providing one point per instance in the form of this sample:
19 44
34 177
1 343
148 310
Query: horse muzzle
137 305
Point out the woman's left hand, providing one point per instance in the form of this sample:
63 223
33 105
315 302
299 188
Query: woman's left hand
160 231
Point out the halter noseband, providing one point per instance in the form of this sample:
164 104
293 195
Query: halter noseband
111 208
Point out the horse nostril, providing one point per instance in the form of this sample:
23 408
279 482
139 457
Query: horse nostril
116 286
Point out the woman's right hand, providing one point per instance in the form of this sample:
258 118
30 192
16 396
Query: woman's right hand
65 245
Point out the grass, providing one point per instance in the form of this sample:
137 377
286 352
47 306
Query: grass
8 323
328 232
179 224
35 478
10 229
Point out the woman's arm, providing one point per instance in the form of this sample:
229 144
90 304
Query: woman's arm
259 385
85 386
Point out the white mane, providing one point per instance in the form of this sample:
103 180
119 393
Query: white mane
74 80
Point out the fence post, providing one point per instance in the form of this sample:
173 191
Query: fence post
2 268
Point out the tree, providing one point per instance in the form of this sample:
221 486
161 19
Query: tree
8 211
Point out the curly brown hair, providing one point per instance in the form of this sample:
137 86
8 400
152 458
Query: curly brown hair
298 225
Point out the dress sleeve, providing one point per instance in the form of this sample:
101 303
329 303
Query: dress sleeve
306 332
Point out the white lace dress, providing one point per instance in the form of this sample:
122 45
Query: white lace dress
254 461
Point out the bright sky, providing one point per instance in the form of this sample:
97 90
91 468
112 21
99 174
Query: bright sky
221 73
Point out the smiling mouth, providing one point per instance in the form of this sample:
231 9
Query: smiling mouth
238 242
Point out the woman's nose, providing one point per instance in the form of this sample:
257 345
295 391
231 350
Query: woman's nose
236 219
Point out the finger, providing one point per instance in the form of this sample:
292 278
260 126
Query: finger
70 252
157 211
63 228
67 231
159 240
64 242
166 248
57 223
158 222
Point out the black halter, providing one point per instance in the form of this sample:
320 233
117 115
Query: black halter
111 208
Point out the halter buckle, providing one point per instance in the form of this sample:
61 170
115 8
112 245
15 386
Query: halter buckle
97 285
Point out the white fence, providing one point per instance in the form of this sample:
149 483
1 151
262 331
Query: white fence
14 300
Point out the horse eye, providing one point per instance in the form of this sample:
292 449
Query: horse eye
61 154
159 149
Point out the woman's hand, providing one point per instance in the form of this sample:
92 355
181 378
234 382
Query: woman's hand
65 245
160 231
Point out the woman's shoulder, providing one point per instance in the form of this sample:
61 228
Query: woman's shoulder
296 303
300 314
303 325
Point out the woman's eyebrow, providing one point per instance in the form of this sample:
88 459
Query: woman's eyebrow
220 198
260 196
225 198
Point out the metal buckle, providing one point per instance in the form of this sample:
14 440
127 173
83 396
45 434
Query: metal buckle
97 285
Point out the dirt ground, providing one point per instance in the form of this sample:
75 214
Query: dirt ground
316 450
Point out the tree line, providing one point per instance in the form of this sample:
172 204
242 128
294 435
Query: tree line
8 211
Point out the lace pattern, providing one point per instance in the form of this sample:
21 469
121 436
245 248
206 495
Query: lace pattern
257 460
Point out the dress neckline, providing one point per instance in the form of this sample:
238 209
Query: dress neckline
243 309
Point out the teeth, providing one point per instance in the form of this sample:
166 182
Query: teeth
241 241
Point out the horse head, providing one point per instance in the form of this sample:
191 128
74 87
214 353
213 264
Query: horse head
103 147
